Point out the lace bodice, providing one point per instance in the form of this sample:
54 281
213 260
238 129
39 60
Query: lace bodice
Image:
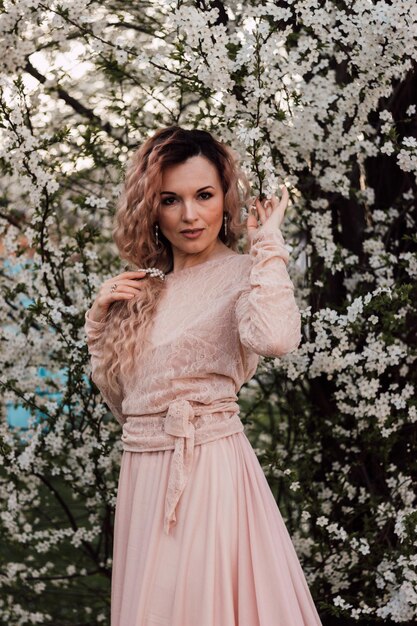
212 323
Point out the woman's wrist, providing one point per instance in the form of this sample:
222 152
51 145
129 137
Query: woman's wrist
96 314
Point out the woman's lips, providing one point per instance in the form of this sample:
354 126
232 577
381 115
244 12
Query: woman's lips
193 235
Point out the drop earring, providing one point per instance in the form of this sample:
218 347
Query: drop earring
156 233
225 224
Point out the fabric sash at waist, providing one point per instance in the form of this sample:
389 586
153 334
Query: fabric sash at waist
182 428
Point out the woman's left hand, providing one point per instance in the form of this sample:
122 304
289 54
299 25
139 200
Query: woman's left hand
271 214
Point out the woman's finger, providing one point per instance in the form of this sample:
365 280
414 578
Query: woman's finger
133 282
125 289
130 274
285 197
115 296
269 206
252 219
261 210
134 279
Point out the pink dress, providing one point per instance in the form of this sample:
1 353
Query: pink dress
199 539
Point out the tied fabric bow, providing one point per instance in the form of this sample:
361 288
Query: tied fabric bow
178 423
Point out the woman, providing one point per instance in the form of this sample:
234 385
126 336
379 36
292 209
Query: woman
199 539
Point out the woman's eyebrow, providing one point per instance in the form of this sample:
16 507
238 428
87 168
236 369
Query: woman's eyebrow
201 189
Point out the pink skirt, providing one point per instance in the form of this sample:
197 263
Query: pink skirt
228 561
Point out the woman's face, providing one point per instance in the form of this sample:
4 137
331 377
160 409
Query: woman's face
191 197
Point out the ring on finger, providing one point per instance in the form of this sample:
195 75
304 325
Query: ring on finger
114 287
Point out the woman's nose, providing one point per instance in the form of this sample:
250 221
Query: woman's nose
189 209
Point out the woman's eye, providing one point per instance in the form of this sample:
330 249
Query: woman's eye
167 200
205 193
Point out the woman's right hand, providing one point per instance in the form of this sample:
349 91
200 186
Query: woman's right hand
127 286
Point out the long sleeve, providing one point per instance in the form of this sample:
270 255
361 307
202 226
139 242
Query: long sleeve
93 331
266 313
